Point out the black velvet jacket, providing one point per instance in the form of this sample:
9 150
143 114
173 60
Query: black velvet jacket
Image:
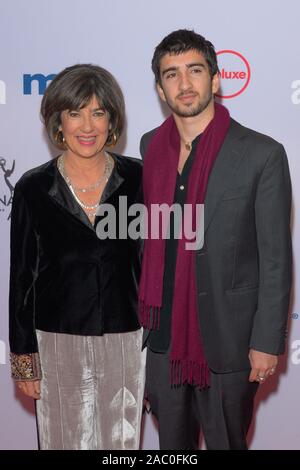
63 278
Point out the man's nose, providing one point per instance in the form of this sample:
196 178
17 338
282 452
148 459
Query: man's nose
184 81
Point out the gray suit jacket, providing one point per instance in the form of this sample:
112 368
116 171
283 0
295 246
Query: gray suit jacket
244 268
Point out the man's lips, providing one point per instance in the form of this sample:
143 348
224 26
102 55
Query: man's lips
187 96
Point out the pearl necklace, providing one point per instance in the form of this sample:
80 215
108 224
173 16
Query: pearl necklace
91 209
94 186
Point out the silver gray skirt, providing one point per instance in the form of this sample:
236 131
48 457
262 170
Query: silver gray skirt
91 391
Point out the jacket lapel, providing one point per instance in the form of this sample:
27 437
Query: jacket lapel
224 171
60 192
115 180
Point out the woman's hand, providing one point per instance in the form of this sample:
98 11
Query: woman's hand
31 388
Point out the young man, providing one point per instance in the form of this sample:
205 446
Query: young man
215 318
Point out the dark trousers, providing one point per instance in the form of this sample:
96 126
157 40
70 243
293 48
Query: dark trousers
223 411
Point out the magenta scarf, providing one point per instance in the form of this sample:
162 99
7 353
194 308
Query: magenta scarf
187 359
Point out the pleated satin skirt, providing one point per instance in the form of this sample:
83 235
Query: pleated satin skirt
91 391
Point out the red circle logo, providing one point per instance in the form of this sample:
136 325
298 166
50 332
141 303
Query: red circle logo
234 73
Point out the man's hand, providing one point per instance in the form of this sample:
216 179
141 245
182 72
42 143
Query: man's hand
262 365
31 388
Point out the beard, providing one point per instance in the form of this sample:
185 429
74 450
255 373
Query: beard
190 110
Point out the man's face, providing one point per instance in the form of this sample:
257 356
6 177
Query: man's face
186 84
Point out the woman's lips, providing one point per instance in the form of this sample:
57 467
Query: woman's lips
87 140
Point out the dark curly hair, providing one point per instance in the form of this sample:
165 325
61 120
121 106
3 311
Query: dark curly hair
180 41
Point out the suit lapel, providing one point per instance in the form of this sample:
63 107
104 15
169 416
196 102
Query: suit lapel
224 171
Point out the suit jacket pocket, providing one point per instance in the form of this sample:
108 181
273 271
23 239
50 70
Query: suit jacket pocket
236 193
242 290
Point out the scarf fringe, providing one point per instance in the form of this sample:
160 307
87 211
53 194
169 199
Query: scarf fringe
149 315
191 372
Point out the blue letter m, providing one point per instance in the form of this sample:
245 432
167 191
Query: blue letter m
40 78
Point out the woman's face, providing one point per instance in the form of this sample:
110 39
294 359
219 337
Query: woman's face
86 129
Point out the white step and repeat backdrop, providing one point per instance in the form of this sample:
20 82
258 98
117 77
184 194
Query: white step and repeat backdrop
259 52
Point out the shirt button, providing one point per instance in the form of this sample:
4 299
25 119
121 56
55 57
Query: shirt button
181 187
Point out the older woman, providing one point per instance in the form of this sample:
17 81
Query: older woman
75 337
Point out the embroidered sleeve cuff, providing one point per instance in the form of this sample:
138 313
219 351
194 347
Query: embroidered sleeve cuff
25 366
